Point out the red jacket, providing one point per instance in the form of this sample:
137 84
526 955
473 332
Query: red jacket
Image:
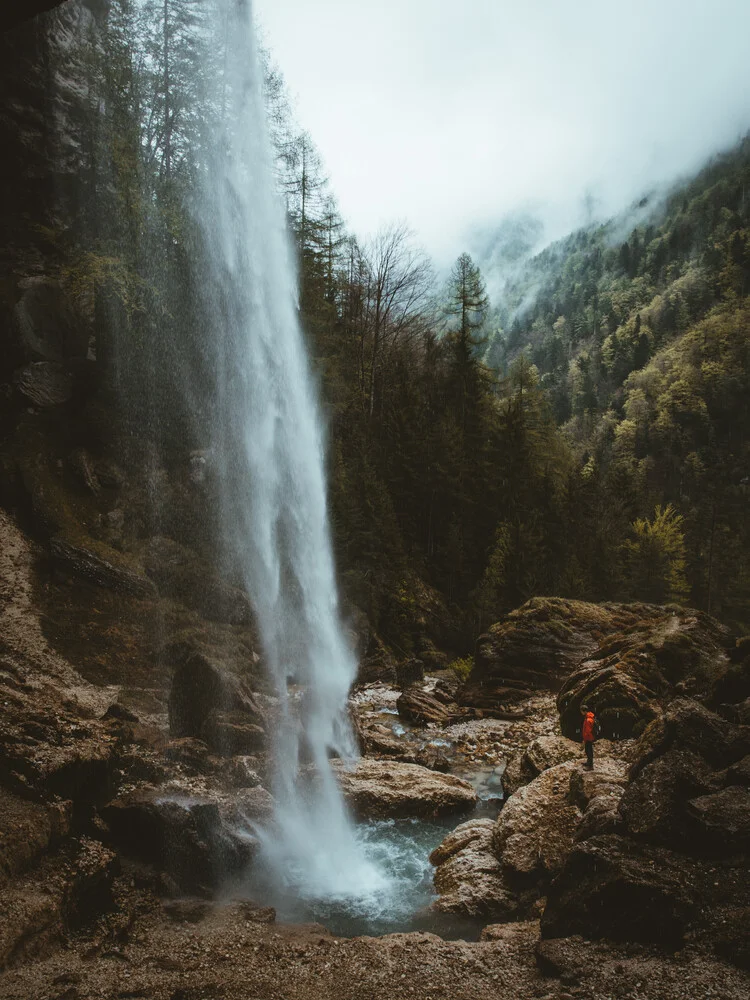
587 730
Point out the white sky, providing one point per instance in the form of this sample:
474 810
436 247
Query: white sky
450 115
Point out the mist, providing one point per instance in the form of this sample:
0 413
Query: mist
454 118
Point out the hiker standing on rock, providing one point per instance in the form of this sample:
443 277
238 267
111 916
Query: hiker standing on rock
588 734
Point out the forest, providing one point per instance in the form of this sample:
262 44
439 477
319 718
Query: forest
586 436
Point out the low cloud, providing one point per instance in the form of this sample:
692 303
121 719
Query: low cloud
457 116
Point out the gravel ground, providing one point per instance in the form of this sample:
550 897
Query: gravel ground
228 957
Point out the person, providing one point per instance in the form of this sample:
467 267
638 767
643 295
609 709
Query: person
588 734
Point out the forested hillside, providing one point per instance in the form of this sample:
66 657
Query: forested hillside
604 456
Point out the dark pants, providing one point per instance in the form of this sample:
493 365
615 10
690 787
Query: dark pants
589 747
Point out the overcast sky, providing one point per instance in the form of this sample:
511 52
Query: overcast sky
450 115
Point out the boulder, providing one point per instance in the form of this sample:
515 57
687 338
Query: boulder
613 887
535 647
208 702
689 726
422 707
534 832
409 672
541 754
637 670
722 819
468 876
654 805
377 789
187 838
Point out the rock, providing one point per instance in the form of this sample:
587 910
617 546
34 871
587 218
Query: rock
249 805
613 887
44 324
27 830
739 773
193 754
421 708
560 958
45 383
731 939
541 754
256 914
535 647
379 788
637 670
598 794
469 878
89 891
723 819
179 573
188 839
654 805
534 832
208 702
88 566
622 704
409 672
241 772
230 733
689 726
188 911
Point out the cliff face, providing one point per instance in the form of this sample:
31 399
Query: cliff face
44 106
15 12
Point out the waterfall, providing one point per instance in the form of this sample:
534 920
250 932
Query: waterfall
270 453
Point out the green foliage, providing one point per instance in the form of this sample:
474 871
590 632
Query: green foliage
462 667
656 557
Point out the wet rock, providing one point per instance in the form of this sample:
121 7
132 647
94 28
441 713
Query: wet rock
380 788
468 876
191 753
179 573
208 702
44 323
723 819
613 887
188 839
541 754
231 733
88 566
241 772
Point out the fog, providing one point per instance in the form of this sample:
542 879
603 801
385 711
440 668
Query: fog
453 115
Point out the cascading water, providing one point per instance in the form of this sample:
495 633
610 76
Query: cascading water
271 457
